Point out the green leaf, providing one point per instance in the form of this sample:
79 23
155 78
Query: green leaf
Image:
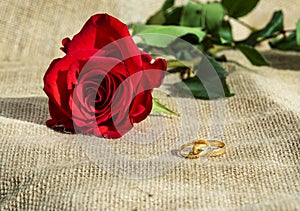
288 43
226 32
220 70
177 63
150 33
239 8
168 4
206 44
207 16
173 16
196 87
274 26
225 35
191 15
214 16
298 32
159 16
253 55
157 106
222 74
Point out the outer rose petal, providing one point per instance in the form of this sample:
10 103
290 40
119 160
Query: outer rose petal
141 106
58 117
105 32
55 79
65 42
152 77
99 31
155 78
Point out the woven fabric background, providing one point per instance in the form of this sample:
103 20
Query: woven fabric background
44 169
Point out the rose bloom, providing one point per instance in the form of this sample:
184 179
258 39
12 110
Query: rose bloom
103 85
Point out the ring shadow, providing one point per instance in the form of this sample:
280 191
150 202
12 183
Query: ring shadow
30 109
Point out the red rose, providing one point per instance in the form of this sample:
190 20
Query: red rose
104 82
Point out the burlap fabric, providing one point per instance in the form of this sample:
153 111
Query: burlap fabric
44 169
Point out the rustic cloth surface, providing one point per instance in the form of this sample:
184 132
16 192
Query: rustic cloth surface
44 169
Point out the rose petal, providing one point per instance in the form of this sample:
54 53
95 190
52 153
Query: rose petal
58 117
65 42
141 106
56 86
105 32
113 72
154 78
55 79
99 31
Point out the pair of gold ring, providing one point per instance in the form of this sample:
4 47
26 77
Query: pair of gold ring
201 148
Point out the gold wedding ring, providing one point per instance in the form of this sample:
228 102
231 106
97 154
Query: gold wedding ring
195 152
201 148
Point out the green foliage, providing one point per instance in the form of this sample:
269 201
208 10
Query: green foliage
197 88
290 42
225 33
222 74
253 55
207 16
213 15
157 106
192 15
148 32
274 26
298 32
168 4
207 26
286 43
239 8
167 15
160 16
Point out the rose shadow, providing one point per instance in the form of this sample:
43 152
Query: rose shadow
30 109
